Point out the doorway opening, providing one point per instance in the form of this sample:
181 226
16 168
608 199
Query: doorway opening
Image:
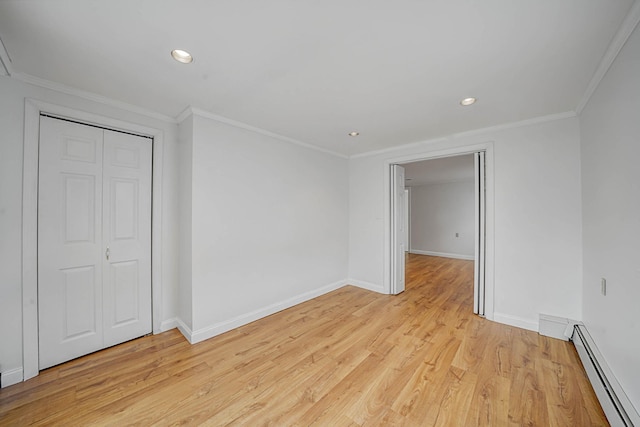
450 214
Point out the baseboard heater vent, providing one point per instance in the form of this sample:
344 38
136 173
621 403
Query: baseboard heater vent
615 403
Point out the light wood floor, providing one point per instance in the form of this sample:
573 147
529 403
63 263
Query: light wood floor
351 357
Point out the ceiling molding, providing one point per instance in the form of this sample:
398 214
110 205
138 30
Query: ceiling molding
398 147
5 60
519 124
185 113
313 99
202 113
506 126
58 87
628 25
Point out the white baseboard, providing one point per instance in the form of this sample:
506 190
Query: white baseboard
168 324
367 285
11 377
227 325
613 400
442 254
516 321
556 327
184 330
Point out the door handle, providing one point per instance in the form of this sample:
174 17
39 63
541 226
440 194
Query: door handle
108 253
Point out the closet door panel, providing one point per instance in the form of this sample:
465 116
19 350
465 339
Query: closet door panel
127 235
69 241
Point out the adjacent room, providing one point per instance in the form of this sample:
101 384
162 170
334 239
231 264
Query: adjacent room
319 213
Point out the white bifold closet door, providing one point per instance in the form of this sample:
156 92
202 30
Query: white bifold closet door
94 239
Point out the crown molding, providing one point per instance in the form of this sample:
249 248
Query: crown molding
475 132
628 25
59 87
5 61
518 124
397 147
221 119
184 114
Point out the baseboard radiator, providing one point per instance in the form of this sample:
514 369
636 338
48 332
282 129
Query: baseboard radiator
615 404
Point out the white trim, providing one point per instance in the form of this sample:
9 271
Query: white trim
513 125
197 112
59 87
47 84
156 229
408 191
397 147
30 240
479 283
624 32
487 147
518 322
556 327
397 251
367 285
442 254
5 60
184 330
608 389
235 322
184 114
33 108
169 324
11 377
480 131
430 154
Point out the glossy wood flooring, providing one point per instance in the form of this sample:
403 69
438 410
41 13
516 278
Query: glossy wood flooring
348 358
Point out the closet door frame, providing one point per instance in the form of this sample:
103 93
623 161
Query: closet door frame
33 109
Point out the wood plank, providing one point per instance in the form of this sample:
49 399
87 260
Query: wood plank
348 358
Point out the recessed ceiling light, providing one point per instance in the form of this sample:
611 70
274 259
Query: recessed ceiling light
182 56
354 133
468 101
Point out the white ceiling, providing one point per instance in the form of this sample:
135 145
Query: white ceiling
315 70
446 169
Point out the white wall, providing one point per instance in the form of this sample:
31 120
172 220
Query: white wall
537 218
12 101
11 119
610 134
185 161
438 212
263 222
269 225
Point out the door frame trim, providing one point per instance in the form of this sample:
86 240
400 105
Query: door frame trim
393 235
487 147
33 109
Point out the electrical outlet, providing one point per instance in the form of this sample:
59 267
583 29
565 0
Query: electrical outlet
603 286
457 234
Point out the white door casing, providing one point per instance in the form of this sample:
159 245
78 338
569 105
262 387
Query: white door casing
398 225
389 254
407 219
94 188
480 234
